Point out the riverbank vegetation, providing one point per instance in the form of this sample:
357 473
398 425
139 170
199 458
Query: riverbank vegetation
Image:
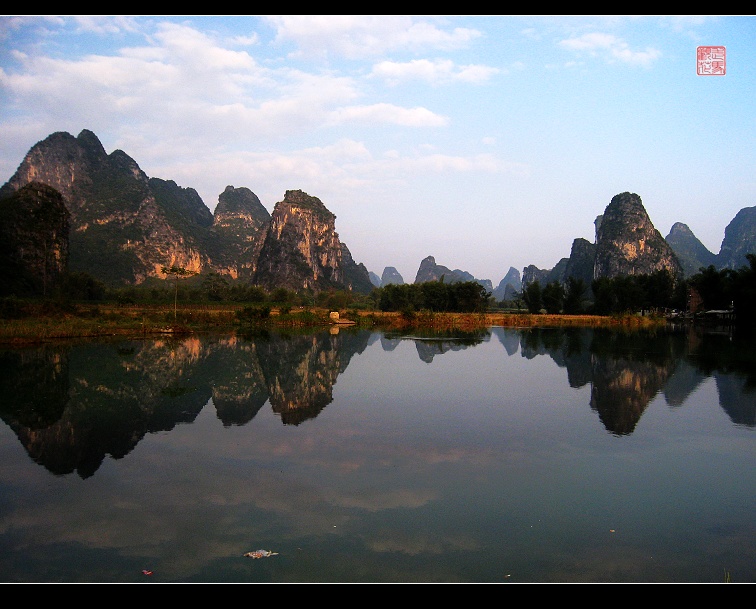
33 322
83 307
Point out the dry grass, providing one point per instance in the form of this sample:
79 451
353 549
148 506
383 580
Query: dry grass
95 321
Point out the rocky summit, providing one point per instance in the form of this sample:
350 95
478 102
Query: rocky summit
628 244
739 240
391 276
126 227
431 271
301 249
692 254
123 228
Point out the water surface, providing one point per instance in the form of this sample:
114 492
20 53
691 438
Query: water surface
506 455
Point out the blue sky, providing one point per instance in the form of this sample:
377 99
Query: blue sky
488 142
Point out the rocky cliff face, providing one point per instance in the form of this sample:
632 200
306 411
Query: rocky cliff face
508 286
301 249
531 274
123 229
739 240
126 227
33 241
628 244
581 261
430 271
67 164
464 276
356 275
238 223
391 276
692 254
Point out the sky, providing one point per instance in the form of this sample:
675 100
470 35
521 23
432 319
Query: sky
485 141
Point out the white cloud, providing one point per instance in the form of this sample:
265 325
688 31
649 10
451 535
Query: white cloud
435 72
186 45
610 47
344 169
11 23
245 41
387 113
183 81
358 36
105 24
442 164
590 42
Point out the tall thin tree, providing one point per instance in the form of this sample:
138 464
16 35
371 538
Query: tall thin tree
178 272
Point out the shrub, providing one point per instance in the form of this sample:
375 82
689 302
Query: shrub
253 314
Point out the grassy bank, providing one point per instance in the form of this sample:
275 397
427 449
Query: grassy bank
39 322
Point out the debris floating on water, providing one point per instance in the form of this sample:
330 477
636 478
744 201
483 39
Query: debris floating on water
260 554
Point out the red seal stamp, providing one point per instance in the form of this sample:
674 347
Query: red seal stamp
711 61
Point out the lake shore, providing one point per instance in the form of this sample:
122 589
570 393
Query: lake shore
41 324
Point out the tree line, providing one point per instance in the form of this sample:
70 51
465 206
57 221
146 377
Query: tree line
710 288
435 296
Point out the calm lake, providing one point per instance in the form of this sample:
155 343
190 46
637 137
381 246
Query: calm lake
500 456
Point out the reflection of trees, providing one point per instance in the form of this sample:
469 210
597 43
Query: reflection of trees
430 343
726 353
34 386
568 347
540 341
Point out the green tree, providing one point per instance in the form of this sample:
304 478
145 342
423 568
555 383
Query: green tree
469 297
281 296
435 295
658 289
81 286
400 297
573 297
744 293
728 288
178 272
215 286
715 287
532 297
553 297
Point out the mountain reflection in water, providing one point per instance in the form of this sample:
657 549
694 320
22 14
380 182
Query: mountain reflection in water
70 405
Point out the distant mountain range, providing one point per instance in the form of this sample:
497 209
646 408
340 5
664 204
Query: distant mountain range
626 243
122 227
